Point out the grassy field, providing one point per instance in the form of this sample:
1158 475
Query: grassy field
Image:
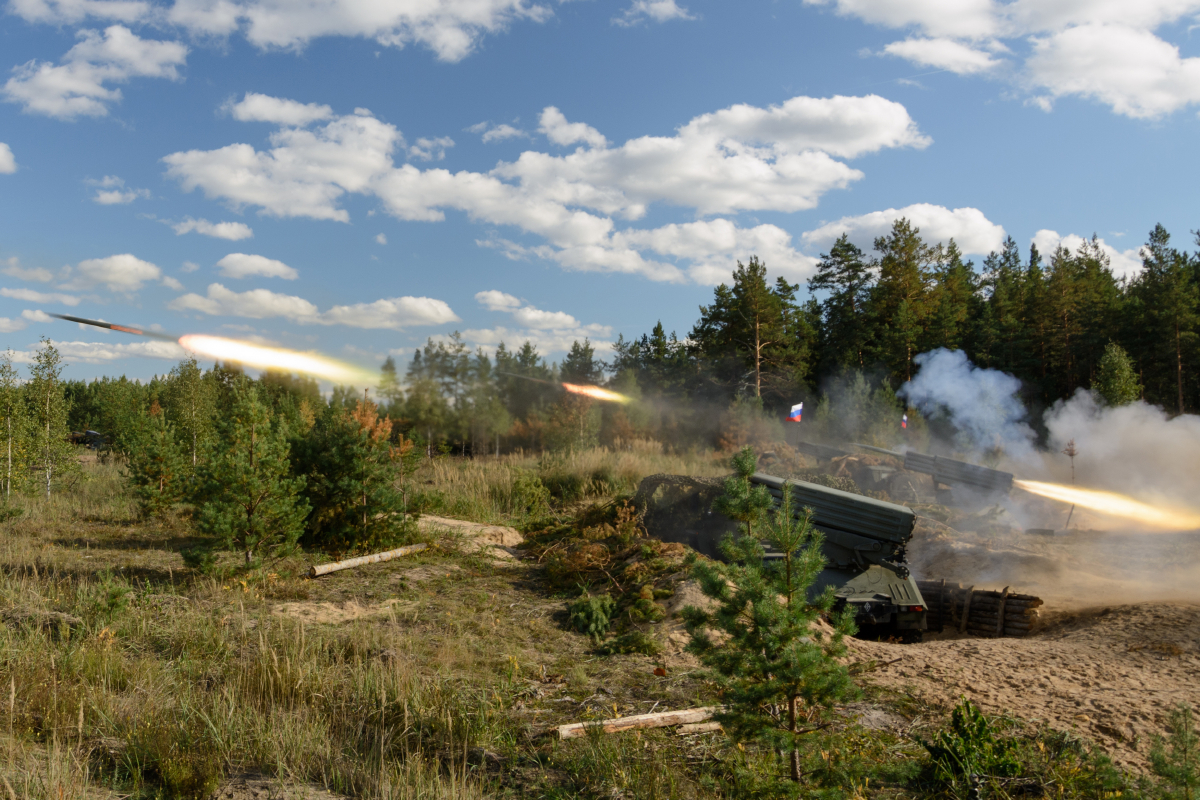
128 675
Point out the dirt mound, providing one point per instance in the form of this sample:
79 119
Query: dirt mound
1112 674
496 540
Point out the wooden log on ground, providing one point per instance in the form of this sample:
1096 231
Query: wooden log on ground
350 563
663 719
698 727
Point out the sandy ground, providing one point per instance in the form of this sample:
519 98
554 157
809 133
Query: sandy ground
1112 674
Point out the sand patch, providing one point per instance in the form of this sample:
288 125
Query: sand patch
325 613
497 541
1112 674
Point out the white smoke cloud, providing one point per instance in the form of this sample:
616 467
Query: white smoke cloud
982 404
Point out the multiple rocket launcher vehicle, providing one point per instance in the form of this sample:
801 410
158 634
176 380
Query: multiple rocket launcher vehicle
864 538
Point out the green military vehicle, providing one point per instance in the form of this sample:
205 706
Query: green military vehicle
864 543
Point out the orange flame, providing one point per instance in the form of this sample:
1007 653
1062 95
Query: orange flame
1115 505
254 355
596 393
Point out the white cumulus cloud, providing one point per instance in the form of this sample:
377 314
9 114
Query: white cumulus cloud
30 296
1131 70
970 229
254 107
944 54
1116 52
431 149
36 315
497 133
742 158
111 190
81 84
243 265
11 325
119 273
652 10
390 313
232 231
549 331
12 267
8 162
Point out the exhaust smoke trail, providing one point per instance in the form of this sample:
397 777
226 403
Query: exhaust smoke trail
596 393
1114 505
252 355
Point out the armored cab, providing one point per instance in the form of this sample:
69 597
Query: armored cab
864 542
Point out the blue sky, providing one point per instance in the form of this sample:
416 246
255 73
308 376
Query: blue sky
354 176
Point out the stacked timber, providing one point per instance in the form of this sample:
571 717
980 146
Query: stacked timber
978 612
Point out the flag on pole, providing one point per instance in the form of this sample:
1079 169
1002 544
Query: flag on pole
904 421
797 412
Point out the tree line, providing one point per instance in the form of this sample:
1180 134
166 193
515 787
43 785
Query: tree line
758 348
261 465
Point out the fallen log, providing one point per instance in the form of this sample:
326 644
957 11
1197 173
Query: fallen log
698 727
663 719
350 563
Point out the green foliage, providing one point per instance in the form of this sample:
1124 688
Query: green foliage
191 398
248 499
742 500
529 496
1116 382
14 424
200 558
351 471
592 616
47 412
631 643
1179 767
970 751
773 656
158 469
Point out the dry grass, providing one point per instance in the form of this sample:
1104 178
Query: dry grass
482 489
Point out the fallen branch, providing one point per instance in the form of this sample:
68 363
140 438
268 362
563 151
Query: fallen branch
663 719
350 563
698 727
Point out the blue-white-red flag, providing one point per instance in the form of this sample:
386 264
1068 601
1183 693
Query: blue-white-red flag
904 421
797 412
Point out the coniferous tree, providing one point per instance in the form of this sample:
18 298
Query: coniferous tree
1172 301
900 298
248 499
845 274
1116 382
158 466
46 403
771 657
351 469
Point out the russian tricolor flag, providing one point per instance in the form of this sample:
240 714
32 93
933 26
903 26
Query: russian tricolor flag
797 412
904 421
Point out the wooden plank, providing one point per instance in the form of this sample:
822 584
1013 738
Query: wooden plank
966 612
663 719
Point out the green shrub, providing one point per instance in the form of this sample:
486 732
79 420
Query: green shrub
634 642
592 615
565 487
1180 767
970 750
529 496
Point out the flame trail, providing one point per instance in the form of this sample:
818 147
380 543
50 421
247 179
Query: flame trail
1115 505
596 393
253 355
